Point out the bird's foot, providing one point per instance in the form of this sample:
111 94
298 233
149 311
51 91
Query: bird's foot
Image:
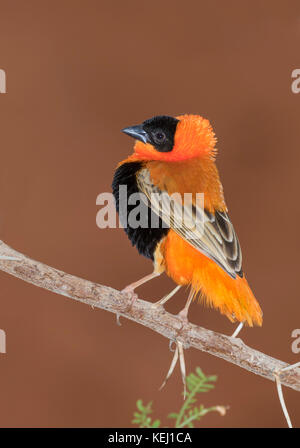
183 317
179 353
130 295
159 303
183 314
118 320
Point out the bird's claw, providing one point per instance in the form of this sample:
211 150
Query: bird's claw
130 295
179 353
118 320
182 316
157 305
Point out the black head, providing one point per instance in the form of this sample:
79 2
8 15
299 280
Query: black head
158 131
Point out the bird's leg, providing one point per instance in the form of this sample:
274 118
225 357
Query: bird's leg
237 330
179 353
168 296
4 257
184 312
129 290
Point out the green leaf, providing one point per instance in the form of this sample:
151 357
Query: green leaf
156 424
173 415
200 373
197 382
139 405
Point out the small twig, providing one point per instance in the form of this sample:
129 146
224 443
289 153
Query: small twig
230 349
280 393
281 399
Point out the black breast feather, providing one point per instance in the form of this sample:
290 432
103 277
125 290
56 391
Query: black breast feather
145 240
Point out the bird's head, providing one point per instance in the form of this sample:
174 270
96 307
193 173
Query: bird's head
173 139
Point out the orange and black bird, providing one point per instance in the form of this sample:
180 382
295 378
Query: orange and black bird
177 155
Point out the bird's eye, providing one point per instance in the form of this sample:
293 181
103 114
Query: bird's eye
159 137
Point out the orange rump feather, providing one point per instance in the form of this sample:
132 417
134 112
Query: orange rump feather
232 297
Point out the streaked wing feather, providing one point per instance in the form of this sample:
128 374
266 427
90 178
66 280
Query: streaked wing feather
215 237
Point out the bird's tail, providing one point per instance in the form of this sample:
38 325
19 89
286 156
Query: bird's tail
232 297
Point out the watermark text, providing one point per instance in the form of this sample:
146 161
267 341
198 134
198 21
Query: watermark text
296 342
2 81
2 341
295 86
159 210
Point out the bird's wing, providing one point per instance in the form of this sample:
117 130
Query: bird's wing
211 234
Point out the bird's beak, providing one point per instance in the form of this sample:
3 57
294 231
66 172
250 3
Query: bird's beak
136 132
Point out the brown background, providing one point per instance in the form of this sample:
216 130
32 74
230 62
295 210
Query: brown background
79 71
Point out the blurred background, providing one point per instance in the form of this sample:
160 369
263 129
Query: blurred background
79 71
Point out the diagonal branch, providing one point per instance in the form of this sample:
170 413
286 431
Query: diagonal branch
144 313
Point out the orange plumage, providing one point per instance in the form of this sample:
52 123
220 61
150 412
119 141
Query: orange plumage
188 165
232 297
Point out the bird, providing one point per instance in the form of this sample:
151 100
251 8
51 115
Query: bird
177 156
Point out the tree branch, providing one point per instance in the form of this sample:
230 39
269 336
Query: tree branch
144 313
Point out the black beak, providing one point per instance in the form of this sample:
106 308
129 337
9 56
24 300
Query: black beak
136 132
